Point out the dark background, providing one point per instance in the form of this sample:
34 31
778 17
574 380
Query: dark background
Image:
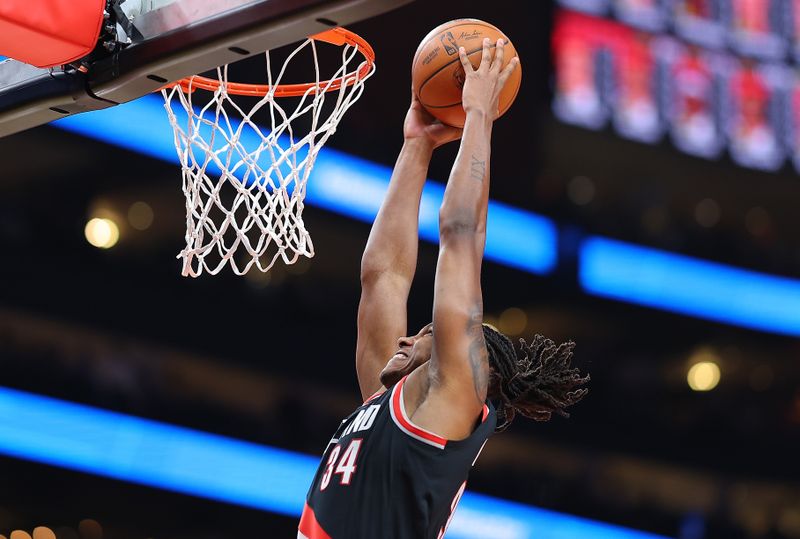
271 360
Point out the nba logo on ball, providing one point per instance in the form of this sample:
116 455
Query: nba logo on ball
438 79
449 43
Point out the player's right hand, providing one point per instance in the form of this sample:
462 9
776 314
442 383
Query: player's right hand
482 86
421 125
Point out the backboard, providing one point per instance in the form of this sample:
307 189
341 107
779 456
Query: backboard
166 41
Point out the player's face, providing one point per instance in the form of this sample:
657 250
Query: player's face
411 353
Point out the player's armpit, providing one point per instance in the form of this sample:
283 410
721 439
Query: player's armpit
460 360
477 354
456 379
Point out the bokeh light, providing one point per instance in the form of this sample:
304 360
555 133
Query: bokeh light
703 376
43 532
90 529
512 321
101 232
707 213
581 190
140 215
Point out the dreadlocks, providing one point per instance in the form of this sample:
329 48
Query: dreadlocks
537 385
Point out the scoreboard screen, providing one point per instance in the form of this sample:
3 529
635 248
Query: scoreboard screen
713 76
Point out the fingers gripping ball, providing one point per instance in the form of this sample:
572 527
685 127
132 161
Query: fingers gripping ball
438 76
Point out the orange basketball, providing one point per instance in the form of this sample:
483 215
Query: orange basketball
437 74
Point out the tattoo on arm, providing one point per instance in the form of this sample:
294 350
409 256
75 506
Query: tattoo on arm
477 169
478 356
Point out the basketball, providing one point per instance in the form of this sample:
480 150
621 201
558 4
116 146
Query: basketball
438 77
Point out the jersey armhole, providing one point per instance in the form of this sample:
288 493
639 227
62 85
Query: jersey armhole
398 412
404 423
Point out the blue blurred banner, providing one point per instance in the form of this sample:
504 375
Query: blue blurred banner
355 187
109 444
690 286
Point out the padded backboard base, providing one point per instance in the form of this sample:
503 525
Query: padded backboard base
180 39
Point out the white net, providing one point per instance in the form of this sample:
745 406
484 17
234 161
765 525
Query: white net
245 171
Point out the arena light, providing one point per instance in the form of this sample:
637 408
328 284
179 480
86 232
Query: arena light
140 215
340 183
703 376
690 286
127 448
101 232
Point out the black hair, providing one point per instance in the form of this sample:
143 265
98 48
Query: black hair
537 385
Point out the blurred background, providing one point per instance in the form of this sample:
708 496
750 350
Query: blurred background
653 150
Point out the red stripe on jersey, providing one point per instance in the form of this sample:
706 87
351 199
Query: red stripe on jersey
485 413
378 393
398 410
309 528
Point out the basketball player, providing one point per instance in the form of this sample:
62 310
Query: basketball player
398 465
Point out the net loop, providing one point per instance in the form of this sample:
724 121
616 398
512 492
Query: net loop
246 168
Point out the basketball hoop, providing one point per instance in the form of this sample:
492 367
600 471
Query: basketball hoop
245 186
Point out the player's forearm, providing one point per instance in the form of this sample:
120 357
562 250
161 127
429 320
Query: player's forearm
393 241
466 197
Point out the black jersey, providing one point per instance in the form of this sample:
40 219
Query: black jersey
384 477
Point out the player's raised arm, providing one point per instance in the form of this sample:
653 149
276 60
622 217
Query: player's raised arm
390 257
459 367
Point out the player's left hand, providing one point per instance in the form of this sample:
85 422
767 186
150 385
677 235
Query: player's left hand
483 85
420 124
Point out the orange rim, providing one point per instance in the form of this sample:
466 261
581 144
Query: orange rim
336 36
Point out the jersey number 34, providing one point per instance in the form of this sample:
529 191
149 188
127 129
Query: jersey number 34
345 466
